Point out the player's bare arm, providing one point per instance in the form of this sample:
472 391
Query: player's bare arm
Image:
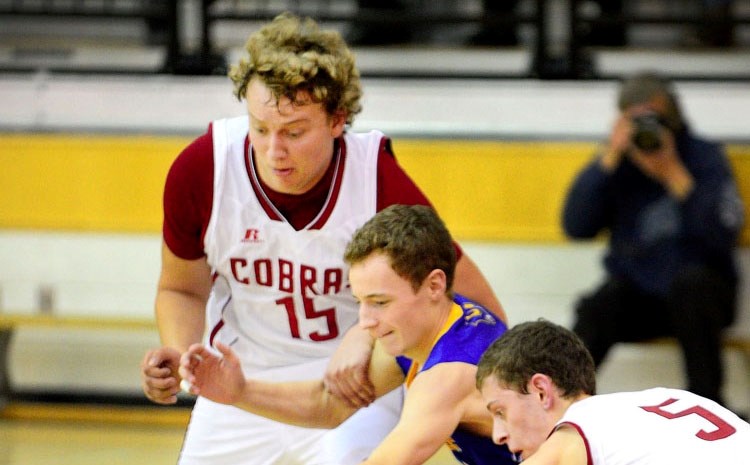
219 377
440 397
180 302
182 292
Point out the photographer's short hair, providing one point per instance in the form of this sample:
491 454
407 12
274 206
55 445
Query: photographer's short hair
293 54
539 347
642 87
413 237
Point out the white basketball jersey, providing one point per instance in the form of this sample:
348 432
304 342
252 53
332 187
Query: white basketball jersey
281 296
659 426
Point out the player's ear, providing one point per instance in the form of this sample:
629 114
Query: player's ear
338 122
541 386
437 282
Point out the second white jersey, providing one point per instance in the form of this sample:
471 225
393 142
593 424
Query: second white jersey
659 426
281 296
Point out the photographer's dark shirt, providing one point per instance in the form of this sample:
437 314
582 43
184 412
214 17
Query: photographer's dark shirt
651 234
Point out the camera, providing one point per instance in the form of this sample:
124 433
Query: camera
647 132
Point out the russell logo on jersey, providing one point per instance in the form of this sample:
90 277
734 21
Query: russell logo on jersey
252 235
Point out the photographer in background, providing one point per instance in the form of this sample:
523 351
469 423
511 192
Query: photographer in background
671 207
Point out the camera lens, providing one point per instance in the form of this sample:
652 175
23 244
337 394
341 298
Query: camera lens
647 132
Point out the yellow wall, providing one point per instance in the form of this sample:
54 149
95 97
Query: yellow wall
89 183
485 190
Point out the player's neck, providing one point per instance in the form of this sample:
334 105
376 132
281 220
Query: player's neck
441 310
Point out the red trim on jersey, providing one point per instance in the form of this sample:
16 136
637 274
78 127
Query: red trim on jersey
299 210
214 331
265 202
333 193
589 460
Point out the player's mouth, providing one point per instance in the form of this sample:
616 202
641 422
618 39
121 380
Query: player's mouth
384 335
282 172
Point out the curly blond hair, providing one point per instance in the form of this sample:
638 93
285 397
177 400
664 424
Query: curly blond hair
292 54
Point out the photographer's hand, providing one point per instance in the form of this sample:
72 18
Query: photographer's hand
665 166
617 145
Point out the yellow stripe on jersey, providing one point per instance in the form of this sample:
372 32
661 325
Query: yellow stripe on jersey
454 315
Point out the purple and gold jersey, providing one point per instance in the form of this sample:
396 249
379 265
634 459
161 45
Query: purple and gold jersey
467 333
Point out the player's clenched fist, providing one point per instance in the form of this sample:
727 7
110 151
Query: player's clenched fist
217 377
160 380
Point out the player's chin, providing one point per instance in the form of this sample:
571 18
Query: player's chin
391 346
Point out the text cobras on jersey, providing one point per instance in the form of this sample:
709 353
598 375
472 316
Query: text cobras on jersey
285 275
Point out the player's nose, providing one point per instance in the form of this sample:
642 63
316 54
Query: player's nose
499 432
276 145
366 318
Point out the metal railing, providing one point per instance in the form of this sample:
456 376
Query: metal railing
558 47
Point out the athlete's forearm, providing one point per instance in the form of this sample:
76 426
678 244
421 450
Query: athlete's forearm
400 448
181 296
304 403
180 318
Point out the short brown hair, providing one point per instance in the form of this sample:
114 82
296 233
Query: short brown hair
292 54
413 237
539 347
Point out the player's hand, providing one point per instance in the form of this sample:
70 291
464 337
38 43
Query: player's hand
159 378
346 376
215 376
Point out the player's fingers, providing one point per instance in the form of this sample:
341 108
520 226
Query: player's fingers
157 371
226 352
164 398
186 372
333 388
199 352
162 391
360 386
190 359
363 395
146 358
357 397
158 382
356 400
350 392
350 399
366 391
153 358
163 383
